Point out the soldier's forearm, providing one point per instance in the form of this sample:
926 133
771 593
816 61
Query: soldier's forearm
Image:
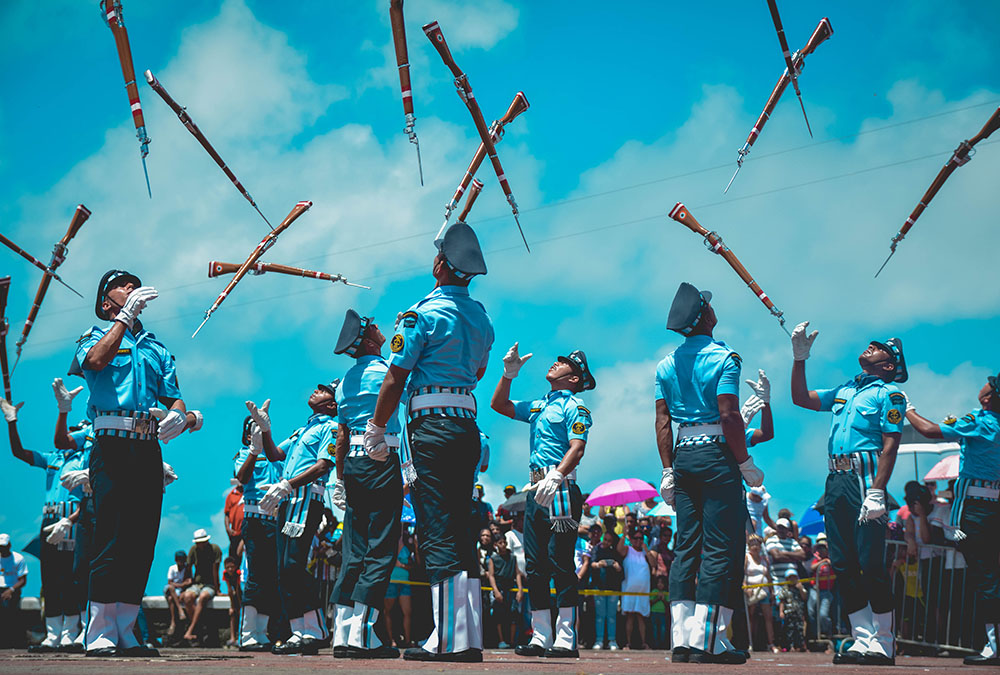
886 461
923 425
100 355
389 395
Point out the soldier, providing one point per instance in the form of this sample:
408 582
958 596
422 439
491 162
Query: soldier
260 531
438 356
697 386
369 489
128 371
308 455
558 437
975 512
864 437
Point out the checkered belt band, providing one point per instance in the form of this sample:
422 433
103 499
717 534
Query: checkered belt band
58 509
852 463
693 434
442 402
358 444
977 488
535 475
140 426
251 509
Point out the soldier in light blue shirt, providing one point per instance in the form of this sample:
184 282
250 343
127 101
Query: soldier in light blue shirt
439 353
975 510
128 372
260 530
369 489
308 455
697 386
864 437
559 425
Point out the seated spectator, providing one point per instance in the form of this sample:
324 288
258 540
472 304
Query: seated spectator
504 575
756 573
792 611
13 577
658 613
234 586
783 550
178 579
204 558
606 575
637 562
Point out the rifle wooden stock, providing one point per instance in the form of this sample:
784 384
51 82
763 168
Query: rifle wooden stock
714 242
216 268
265 243
477 187
80 216
402 57
517 106
4 288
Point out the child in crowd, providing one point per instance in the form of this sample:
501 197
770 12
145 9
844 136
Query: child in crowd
178 579
234 582
658 613
792 611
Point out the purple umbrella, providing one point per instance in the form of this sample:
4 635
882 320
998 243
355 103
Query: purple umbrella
622 491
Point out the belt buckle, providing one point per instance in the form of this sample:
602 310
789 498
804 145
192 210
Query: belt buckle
143 425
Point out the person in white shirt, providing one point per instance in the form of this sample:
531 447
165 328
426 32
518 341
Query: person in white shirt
13 577
178 579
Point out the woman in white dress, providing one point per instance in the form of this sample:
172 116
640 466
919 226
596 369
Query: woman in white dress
637 561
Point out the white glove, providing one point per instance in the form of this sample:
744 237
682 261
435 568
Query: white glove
256 439
199 420
751 474
802 343
260 415
10 410
762 387
275 495
873 506
172 423
375 444
751 407
57 532
64 397
547 488
667 486
399 317
169 476
909 406
135 303
958 534
513 361
74 479
339 496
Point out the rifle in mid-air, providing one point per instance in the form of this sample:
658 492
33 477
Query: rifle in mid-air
403 65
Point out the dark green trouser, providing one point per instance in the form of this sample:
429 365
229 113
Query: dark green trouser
981 547
371 530
550 555
711 524
857 552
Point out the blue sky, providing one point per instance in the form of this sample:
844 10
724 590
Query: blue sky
632 109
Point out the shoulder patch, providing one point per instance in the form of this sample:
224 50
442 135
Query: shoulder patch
331 449
579 427
396 345
409 319
969 418
737 358
85 335
894 416
897 398
583 409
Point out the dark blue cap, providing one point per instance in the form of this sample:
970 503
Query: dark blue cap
111 279
330 388
578 362
351 333
994 381
894 347
461 251
686 309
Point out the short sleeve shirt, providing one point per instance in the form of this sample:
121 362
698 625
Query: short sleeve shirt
52 463
138 375
316 440
264 473
555 420
358 393
979 435
694 375
863 409
12 568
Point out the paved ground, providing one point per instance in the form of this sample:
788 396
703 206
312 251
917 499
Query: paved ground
217 661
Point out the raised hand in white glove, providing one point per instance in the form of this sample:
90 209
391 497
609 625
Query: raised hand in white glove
375 444
169 475
339 496
57 532
64 397
275 495
135 303
667 486
762 387
78 478
256 439
802 343
751 474
10 410
260 415
172 423
513 361
873 506
546 490
751 407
